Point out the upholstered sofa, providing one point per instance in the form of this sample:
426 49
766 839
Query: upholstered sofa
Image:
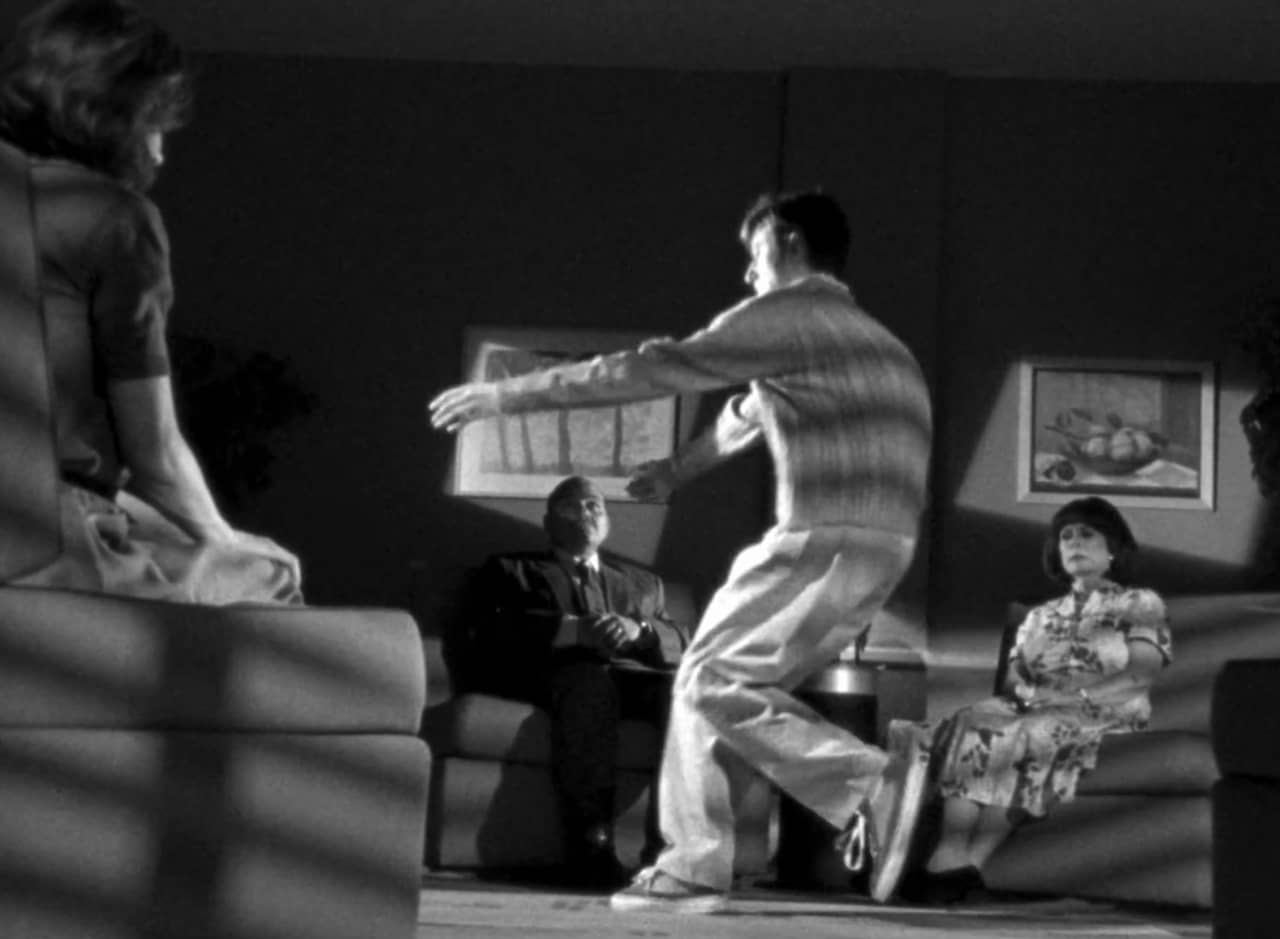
1142 827
492 803
1246 800
241 772
169 770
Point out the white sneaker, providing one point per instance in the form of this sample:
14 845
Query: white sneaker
882 828
653 891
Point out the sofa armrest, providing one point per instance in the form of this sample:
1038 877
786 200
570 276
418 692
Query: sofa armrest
83 660
1246 695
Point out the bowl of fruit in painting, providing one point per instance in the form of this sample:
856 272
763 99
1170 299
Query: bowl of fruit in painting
1106 445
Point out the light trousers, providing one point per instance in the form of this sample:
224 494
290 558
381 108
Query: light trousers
790 604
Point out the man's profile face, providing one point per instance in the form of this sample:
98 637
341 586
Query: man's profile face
768 262
578 522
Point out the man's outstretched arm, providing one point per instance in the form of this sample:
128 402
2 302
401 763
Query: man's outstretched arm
755 339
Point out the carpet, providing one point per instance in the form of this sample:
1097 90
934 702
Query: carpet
469 909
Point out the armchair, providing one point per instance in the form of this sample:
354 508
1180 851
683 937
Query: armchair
1141 828
493 805
1246 800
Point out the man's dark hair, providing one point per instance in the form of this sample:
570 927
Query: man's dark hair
88 80
1101 516
814 216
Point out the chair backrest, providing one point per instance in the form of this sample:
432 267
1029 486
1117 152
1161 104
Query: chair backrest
29 532
1014 614
681 604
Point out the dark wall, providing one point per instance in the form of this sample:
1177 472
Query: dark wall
1113 221
356 217
876 141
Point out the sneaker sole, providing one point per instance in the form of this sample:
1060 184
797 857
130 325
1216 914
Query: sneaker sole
893 856
627 903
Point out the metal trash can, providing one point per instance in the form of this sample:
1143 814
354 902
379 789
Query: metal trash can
845 694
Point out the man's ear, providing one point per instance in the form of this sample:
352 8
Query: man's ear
794 246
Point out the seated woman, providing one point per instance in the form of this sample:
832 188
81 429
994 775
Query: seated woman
88 89
1080 667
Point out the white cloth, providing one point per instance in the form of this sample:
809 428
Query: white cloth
107 548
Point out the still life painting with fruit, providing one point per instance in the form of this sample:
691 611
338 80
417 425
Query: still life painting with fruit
1115 430
1105 445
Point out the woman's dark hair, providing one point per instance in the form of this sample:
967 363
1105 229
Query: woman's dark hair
88 80
1101 516
814 216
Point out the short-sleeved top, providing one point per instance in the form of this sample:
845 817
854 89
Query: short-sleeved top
1072 640
106 289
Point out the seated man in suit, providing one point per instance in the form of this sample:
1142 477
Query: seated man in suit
587 638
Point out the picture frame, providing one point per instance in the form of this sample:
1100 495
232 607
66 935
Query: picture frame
525 455
1141 434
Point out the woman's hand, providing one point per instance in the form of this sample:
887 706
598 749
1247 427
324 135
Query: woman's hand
1035 699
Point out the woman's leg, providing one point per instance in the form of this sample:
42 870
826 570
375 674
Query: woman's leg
994 826
960 819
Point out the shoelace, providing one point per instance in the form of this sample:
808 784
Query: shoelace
645 877
852 844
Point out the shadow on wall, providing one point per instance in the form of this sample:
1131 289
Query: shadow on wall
472 531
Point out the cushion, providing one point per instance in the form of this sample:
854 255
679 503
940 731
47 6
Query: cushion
87 660
128 833
1153 762
1208 631
1137 848
481 726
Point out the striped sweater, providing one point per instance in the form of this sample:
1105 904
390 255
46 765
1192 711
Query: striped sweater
839 400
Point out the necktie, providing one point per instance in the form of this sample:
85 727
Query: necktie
589 583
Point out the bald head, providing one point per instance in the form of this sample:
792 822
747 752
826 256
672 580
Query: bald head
577 516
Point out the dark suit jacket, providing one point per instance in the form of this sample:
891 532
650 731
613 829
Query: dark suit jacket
514 610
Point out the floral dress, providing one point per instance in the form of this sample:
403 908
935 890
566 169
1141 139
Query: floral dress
993 753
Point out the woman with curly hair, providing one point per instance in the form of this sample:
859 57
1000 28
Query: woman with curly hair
1080 667
88 91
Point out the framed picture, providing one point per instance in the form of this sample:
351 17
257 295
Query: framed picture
1138 433
525 455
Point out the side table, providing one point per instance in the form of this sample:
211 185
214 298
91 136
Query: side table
845 694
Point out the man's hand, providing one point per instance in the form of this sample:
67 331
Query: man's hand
653 481
458 406
611 632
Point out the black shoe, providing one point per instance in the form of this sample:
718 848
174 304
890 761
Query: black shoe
593 864
944 888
